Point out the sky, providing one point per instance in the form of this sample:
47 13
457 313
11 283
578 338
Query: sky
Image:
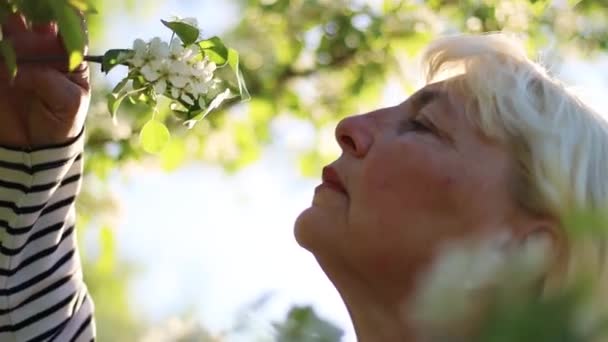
214 242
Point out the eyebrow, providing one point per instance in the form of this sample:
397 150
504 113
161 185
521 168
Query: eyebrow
425 97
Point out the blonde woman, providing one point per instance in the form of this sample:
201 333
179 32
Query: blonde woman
492 147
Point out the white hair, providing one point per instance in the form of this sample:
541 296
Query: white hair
559 144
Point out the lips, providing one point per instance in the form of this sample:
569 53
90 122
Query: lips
332 180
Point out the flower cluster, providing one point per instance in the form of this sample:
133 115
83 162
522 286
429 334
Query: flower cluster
183 70
174 71
453 292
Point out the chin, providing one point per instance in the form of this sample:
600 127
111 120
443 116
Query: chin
316 229
305 222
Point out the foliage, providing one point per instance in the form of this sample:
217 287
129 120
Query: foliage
302 58
67 13
303 325
183 71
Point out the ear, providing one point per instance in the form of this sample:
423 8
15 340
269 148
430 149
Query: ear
542 230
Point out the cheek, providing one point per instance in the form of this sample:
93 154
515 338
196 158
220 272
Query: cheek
401 181
406 192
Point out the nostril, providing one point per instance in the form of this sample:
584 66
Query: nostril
348 142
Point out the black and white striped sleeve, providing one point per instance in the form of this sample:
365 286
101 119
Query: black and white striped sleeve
42 293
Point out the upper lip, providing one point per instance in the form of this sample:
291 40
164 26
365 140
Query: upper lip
331 177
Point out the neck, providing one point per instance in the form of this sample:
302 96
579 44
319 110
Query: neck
377 313
376 320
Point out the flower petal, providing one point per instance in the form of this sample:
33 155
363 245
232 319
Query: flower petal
217 101
175 93
140 46
158 48
187 99
178 80
160 86
190 21
149 73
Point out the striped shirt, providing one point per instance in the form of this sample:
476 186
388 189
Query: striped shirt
42 293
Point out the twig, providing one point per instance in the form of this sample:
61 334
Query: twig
50 59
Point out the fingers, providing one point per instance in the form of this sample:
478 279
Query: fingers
29 45
34 44
81 76
39 39
13 24
45 28
59 93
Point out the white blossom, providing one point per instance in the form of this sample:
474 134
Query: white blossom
154 69
449 292
177 71
175 92
178 74
197 88
140 56
178 52
158 49
204 69
186 98
160 86
188 20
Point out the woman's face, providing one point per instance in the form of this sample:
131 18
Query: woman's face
410 178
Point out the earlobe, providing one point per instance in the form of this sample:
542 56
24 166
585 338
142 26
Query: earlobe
544 237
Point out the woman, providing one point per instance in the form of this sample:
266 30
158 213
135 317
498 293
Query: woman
490 147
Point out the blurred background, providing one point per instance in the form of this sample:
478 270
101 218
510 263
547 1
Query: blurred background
196 243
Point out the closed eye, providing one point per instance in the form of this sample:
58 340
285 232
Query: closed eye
418 125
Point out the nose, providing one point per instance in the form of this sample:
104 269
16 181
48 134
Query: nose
354 135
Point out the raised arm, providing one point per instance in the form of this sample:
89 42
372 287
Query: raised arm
42 295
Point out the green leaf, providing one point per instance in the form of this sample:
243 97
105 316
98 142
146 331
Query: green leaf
303 324
110 59
114 101
233 61
85 6
174 155
585 222
200 114
215 49
5 10
10 59
75 59
187 33
107 240
120 86
38 11
154 136
72 31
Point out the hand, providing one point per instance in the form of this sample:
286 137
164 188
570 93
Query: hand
45 104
